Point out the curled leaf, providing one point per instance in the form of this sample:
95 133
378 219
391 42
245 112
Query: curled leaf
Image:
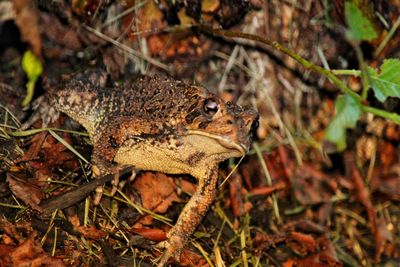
33 69
348 110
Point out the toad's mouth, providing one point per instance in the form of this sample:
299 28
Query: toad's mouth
224 141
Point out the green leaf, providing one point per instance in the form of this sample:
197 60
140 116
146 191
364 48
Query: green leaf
33 69
360 27
348 110
387 82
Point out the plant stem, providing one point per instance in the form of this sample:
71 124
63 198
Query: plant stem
365 79
382 113
353 72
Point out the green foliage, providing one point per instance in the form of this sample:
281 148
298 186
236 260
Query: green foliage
348 110
360 27
33 69
387 82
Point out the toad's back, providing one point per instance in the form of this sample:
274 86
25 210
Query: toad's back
92 102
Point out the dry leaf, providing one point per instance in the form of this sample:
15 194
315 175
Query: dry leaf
157 191
150 234
29 193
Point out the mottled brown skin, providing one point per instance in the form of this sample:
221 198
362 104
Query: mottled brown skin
159 124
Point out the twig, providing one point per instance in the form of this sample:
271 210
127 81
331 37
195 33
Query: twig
75 195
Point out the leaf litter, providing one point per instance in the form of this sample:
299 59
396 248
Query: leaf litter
336 208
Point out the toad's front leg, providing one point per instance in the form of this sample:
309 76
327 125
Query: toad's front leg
102 165
191 215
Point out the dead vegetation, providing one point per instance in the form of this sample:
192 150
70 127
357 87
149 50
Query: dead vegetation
295 200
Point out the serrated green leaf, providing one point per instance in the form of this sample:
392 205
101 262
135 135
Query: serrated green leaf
387 82
360 27
33 69
348 110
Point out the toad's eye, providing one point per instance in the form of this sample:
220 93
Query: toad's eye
210 106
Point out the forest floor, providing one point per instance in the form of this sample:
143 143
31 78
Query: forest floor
296 199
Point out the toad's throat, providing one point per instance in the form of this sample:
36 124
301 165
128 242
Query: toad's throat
222 140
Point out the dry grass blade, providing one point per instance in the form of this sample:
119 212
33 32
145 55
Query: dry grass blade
268 180
128 49
114 222
231 172
49 227
8 113
124 13
203 253
243 248
62 141
12 206
39 130
218 257
142 210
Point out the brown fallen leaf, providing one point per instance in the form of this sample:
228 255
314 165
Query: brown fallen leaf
27 14
263 241
91 232
157 190
186 186
267 190
304 225
29 193
388 184
392 132
322 249
362 194
5 259
150 234
46 153
87 231
60 35
280 166
327 249
192 259
30 253
302 243
311 186
7 240
54 153
5 249
316 260
34 149
235 194
16 231
387 154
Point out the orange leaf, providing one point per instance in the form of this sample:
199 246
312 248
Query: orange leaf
150 234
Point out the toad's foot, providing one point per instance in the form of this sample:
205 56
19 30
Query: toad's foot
100 170
173 248
117 184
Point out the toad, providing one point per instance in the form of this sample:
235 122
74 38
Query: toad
159 124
